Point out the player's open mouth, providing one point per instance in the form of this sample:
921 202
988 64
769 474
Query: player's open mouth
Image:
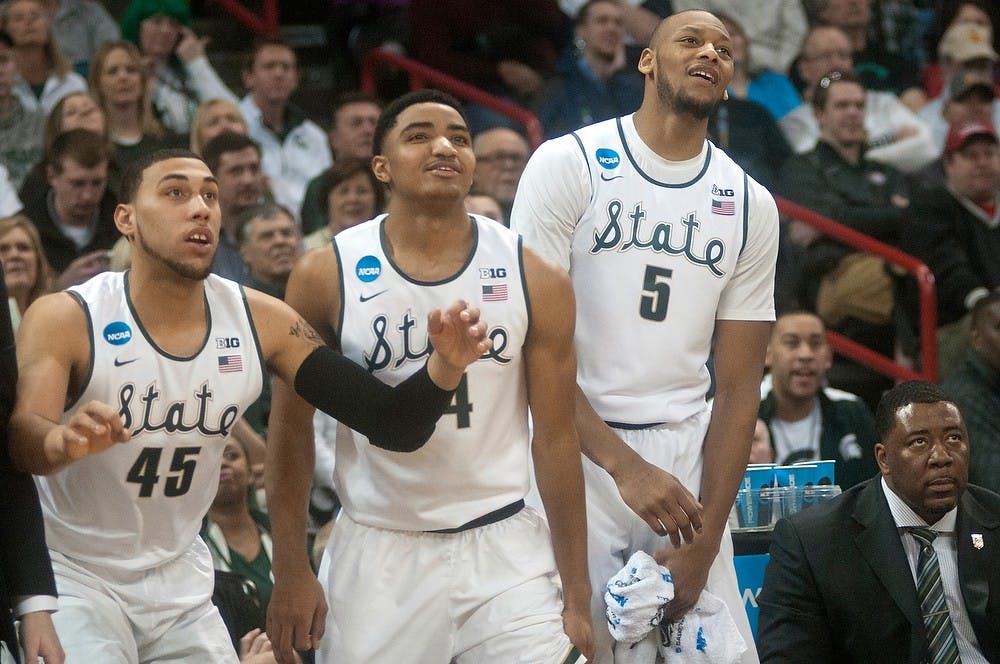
442 167
199 238
705 73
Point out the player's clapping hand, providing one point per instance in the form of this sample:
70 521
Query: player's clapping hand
93 428
660 500
459 339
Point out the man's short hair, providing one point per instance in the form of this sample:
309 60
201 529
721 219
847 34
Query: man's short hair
258 44
830 79
265 210
387 119
584 11
349 98
223 144
82 146
132 177
904 394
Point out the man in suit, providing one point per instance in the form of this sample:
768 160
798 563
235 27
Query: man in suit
842 585
26 583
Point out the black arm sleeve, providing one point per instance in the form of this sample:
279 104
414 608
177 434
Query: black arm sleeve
400 418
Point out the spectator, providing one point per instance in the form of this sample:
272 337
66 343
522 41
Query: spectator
215 117
20 129
294 148
975 386
971 98
773 31
501 154
808 421
270 245
593 80
80 27
45 75
836 179
74 215
761 450
975 12
877 67
486 206
353 194
352 127
955 232
640 18
239 538
26 270
506 48
967 59
771 89
119 85
850 580
895 135
180 76
236 162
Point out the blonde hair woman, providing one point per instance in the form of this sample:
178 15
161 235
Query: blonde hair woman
26 271
215 117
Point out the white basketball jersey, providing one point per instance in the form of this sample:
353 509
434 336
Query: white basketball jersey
140 503
652 260
477 459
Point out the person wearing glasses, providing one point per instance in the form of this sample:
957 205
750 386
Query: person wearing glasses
896 136
501 154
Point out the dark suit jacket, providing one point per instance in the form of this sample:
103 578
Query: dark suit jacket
838 587
25 568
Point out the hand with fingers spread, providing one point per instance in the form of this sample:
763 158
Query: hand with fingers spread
296 614
191 46
458 338
689 567
660 500
93 428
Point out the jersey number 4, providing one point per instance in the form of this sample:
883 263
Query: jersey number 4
461 406
145 471
655 293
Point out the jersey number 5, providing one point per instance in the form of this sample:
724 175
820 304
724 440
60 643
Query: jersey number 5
656 293
144 471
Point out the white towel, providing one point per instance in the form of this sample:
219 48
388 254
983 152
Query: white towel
636 599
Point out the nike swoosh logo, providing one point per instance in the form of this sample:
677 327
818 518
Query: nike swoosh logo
121 363
365 298
612 178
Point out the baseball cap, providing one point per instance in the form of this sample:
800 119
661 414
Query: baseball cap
960 133
968 81
967 41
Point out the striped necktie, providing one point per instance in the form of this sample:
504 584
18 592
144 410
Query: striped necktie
941 647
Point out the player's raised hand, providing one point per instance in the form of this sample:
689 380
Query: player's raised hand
93 428
660 500
459 339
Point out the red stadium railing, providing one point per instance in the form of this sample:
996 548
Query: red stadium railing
264 23
925 284
422 76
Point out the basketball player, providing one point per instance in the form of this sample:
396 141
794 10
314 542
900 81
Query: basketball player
435 558
164 359
668 244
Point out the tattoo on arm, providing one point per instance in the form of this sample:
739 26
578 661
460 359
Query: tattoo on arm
304 330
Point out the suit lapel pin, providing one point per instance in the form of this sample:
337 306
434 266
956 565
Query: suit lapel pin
977 540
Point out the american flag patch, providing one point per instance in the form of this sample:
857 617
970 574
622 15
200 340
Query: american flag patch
495 293
727 208
230 363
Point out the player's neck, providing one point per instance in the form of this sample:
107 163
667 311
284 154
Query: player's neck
673 136
165 301
428 244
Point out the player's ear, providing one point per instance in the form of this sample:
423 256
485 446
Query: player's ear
646 60
125 220
380 167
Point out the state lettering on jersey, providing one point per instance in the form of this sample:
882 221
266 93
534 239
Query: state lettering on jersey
147 413
632 232
408 342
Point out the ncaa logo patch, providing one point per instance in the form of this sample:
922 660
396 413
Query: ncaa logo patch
608 158
117 333
368 269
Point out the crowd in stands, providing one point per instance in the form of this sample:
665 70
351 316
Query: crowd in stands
879 114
